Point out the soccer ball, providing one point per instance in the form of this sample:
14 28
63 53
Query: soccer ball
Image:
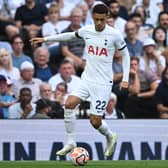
79 156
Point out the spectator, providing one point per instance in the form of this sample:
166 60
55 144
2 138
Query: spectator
31 16
161 96
43 107
42 69
6 66
45 91
57 110
142 87
60 93
85 9
6 100
74 49
163 21
152 59
27 80
134 45
148 28
52 27
110 20
65 9
159 36
65 74
111 111
119 22
24 108
142 33
123 12
141 10
18 55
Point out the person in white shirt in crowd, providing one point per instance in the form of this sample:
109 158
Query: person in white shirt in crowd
152 59
6 66
52 27
24 108
65 8
66 74
27 80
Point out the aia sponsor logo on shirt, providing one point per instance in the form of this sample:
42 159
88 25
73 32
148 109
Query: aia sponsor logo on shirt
97 51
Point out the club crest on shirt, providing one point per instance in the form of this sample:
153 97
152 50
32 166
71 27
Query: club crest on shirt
98 51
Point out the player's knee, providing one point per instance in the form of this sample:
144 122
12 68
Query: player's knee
69 105
95 123
72 102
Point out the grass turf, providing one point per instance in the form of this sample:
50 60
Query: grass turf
91 164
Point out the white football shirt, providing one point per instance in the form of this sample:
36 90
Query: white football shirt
100 48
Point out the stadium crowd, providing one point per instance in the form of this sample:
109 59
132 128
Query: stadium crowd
36 80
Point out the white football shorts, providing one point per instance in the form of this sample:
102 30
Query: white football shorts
98 96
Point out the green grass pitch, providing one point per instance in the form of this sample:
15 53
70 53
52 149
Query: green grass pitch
91 164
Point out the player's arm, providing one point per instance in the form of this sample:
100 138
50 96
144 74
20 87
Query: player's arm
122 47
56 38
126 67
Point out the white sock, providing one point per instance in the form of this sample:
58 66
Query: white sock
105 130
69 119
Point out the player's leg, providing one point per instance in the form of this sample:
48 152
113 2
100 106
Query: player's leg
69 119
102 127
99 98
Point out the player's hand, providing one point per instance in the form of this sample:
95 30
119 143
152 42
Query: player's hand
123 85
36 40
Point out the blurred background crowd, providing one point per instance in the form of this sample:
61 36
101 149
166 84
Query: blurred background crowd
35 81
